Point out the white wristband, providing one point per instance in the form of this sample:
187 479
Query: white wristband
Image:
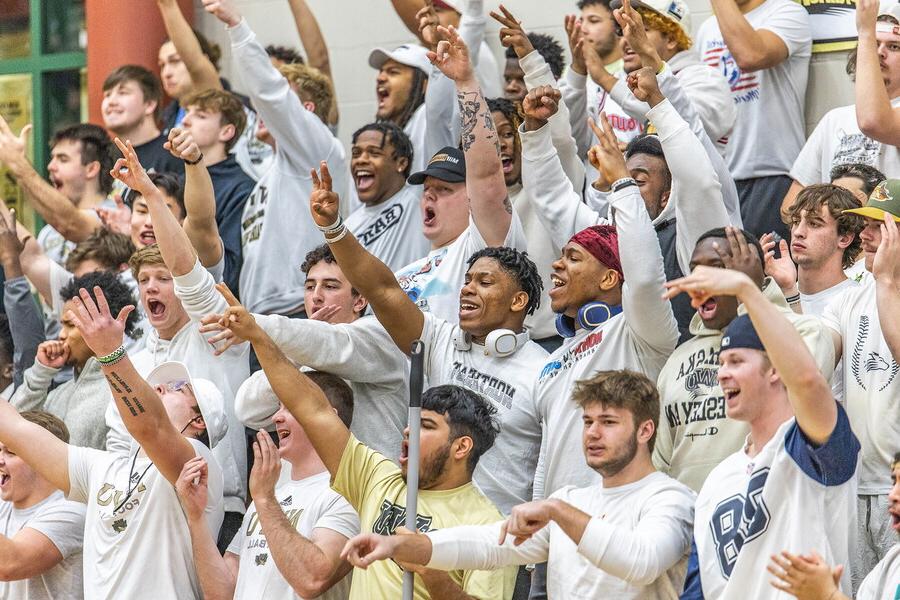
333 227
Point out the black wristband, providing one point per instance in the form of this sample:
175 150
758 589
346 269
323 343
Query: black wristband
194 162
622 184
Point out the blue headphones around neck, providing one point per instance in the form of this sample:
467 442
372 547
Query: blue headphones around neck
589 316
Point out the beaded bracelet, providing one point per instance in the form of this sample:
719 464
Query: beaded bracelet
113 357
333 228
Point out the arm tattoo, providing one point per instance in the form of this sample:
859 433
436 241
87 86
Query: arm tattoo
507 204
132 403
472 107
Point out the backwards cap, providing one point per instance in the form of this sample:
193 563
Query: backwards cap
741 333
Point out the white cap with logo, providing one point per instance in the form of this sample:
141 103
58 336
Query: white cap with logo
209 398
676 11
411 55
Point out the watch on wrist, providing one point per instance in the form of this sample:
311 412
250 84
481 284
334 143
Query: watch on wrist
194 162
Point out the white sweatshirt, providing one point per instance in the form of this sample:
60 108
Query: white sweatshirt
639 338
277 210
362 353
700 95
199 296
635 547
541 249
696 211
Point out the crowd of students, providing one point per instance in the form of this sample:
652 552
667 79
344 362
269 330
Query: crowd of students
660 325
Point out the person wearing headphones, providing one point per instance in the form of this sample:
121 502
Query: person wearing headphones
488 352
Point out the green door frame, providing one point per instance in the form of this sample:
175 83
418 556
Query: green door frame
38 65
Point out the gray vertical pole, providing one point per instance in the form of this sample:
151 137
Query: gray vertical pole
412 464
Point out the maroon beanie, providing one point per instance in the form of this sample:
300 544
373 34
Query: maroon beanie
602 242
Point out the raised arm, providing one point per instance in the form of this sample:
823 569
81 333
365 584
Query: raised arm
303 398
37 447
316 49
199 198
488 199
752 49
217 574
809 392
442 123
58 211
886 270
874 113
371 277
310 565
140 406
201 69
559 204
174 244
25 325
407 11
573 86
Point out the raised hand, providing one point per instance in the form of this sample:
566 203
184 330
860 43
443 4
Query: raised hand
452 56
100 331
10 245
13 147
428 23
576 43
364 549
192 488
540 104
238 319
130 171
606 156
116 219
223 10
866 14
886 266
324 203
636 36
224 337
266 467
512 35
53 354
182 145
739 256
525 520
643 85
806 577
782 270
705 282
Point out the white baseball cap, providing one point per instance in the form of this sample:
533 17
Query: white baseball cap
889 8
411 55
456 5
209 398
676 11
255 402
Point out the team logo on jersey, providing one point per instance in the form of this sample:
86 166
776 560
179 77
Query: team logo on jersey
260 559
387 219
738 520
393 516
287 501
862 362
119 525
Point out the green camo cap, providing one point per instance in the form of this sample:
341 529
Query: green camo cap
884 199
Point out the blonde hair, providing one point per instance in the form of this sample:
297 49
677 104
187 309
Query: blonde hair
228 106
311 85
148 255
654 20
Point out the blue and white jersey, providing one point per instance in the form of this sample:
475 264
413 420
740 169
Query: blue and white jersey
792 496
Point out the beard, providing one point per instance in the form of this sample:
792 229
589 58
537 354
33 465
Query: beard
618 461
432 468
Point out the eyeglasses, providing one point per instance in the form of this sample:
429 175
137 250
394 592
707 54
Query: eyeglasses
177 386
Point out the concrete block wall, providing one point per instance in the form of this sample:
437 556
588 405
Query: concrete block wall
353 27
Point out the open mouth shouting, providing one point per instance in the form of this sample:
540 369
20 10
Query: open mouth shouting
708 309
731 394
147 237
156 309
467 308
382 93
4 479
404 453
558 284
507 163
429 217
365 179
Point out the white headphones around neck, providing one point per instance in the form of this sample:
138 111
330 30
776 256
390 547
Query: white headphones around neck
499 343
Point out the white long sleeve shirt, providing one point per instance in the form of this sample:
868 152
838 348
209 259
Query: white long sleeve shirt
635 546
277 210
362 353
639 338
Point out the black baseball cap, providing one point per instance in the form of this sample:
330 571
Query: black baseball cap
741 333
449 164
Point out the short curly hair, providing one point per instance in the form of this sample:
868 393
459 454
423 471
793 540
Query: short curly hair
836 199
869 175
549 49
108 248
654 20
520 267
288 56
117 293
311 85
390 132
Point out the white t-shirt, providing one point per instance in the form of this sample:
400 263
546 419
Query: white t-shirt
415 129
392 230
143 550
837 140
815 304
871 383
62 522
635 547
55 246
883 582
789 496
769 129
506 471
433 282
309 504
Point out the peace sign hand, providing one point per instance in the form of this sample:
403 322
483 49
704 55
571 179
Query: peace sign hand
606 156
324 203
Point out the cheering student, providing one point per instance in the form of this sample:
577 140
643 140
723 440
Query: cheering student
295 519
628 537
793 484
132 507
458 427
